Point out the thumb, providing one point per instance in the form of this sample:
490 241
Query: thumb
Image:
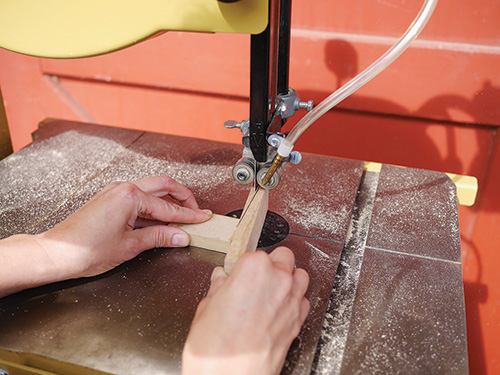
159 236
217 279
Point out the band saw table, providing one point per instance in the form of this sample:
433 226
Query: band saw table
382 251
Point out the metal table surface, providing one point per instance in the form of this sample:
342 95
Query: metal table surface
388 243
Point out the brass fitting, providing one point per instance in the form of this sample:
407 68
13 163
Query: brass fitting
277 162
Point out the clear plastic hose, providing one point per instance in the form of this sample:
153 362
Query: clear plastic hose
362 78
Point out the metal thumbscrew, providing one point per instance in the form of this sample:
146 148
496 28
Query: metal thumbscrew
230 124
243 126
295 157
305 105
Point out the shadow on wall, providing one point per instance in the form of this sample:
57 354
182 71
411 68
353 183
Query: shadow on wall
391 133
405 132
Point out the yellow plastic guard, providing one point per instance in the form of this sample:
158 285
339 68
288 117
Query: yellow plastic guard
77 28
466 188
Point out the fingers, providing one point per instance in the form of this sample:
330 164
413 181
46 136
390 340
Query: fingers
305 307
300 283
217 279
283 258
163 185
152 207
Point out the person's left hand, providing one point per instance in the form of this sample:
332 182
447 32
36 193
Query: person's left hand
121 221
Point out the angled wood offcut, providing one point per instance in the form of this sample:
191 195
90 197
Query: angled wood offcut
247 232
229 235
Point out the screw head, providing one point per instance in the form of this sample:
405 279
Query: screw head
242 174
274 140
283 109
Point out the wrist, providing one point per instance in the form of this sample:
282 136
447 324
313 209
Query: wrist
57 256
18 274
51 267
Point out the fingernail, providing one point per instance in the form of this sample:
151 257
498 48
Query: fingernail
180 240
208 212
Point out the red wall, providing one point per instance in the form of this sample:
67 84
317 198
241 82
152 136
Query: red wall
437 107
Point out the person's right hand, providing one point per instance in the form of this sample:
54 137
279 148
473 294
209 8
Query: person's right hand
248 320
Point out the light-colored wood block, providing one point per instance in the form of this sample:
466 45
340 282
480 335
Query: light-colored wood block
230 235
247 232
214 234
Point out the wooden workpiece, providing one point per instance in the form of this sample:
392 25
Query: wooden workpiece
214 234
229 235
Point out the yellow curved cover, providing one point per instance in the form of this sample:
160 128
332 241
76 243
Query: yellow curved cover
77 28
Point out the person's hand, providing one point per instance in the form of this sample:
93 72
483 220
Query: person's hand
121 221
248 320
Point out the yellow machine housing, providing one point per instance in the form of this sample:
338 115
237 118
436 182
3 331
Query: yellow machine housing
78 28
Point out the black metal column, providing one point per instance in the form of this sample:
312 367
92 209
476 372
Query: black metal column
284 46
263 82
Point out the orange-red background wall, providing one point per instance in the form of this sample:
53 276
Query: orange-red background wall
437 107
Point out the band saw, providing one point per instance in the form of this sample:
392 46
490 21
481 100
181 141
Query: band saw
382 247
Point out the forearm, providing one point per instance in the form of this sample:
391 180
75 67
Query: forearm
25 264
101 235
